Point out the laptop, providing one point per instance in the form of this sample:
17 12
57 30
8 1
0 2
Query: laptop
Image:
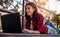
11 23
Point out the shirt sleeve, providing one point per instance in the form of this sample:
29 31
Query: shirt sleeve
41 27
27 24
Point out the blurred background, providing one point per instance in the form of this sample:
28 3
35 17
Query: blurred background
48 8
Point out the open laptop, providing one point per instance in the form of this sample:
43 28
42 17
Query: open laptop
11 23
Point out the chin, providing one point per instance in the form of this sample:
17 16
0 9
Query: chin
28 14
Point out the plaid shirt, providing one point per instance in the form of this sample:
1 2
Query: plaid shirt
37 24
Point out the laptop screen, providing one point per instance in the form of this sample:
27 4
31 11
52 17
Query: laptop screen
11 23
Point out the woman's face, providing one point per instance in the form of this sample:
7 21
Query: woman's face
29 10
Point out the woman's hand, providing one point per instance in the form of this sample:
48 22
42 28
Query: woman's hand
30 31
25 30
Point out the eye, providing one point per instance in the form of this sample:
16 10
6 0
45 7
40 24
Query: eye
27 8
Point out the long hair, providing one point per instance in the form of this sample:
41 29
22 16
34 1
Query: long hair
34 13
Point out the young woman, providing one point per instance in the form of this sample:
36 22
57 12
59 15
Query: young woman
34 21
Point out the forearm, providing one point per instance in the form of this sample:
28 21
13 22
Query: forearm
31 31
34 32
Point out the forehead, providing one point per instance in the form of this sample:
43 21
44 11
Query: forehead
28 6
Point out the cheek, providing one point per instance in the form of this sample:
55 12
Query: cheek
32 11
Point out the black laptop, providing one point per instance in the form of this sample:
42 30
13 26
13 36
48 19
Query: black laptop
11 23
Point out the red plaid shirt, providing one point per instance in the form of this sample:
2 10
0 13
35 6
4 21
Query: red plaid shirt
37 24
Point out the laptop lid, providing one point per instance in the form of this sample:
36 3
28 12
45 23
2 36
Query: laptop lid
11 23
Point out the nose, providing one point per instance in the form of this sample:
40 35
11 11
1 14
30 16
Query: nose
26 10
